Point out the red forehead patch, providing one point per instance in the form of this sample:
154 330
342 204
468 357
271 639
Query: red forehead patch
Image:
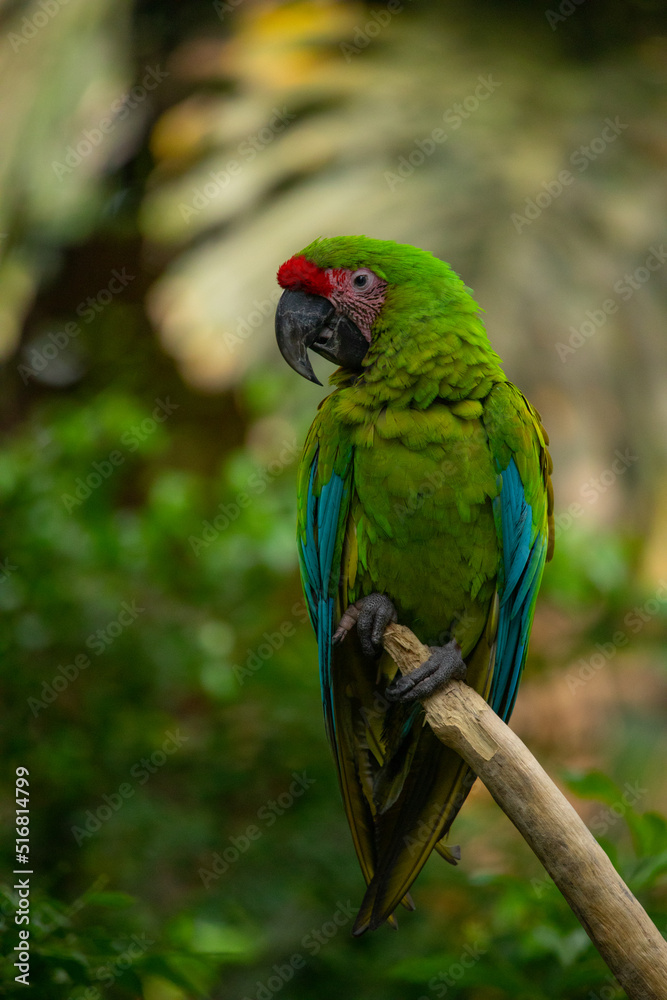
299 273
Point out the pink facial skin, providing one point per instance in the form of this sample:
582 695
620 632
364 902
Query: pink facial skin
359 294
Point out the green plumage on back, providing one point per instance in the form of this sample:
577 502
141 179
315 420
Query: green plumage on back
425 478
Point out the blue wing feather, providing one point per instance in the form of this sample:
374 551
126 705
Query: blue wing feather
523 557
308 555
323 518
328 510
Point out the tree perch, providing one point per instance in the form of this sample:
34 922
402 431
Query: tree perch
616 923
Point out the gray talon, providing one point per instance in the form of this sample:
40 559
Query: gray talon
376 613
372 614
444 664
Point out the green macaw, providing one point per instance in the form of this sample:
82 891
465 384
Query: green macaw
424 496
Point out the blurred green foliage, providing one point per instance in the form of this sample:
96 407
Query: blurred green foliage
159 673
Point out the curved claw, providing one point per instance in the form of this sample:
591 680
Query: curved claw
444 664
348 620
376 613
371 615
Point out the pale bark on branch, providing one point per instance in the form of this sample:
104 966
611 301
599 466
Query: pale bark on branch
619 927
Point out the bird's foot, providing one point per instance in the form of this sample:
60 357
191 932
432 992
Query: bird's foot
444 664
371 615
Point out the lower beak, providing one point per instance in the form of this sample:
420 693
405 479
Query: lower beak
310 321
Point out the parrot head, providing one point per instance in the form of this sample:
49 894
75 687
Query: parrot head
328 309
352 299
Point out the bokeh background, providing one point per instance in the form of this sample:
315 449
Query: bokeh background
158 161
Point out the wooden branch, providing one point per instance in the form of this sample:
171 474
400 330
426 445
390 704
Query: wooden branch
616 923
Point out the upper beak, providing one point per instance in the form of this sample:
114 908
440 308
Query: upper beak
310 321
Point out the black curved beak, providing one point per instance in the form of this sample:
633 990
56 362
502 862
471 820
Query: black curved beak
310 321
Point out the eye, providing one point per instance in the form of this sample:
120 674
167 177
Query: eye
362 279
